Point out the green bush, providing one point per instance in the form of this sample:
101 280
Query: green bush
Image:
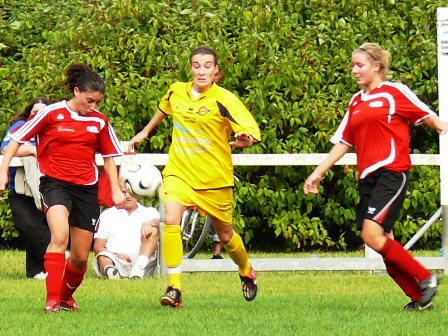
289 61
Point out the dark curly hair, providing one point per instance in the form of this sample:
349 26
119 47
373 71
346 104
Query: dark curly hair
81 76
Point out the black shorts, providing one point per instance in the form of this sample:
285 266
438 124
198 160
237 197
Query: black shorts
381 197
81 201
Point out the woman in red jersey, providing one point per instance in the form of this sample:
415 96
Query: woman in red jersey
376 125
68 134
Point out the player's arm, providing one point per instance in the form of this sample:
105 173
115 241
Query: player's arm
436 123
242 140
24 150
312 182
9 152
111 170
143 134
243 123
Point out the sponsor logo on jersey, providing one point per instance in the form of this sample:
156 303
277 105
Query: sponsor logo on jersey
63 129
203 111
377 103
92 129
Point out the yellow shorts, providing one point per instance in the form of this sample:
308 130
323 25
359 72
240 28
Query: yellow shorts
216 202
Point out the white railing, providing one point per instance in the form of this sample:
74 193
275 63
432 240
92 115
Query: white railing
371 261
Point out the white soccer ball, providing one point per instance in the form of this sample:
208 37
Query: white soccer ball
141 179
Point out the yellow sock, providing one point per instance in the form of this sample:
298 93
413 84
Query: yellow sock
236 251
172 253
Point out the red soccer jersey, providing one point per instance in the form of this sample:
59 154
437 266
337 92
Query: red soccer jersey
377 125
67 142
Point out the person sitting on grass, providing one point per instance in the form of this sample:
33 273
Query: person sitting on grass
126 242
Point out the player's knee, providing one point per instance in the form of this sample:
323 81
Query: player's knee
373 241
79 264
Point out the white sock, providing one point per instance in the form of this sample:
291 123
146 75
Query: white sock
142 261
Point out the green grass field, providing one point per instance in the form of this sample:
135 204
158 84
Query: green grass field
288 303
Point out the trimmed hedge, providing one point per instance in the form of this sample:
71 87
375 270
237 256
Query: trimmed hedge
289 61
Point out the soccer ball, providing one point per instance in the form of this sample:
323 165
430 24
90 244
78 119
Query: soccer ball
141 179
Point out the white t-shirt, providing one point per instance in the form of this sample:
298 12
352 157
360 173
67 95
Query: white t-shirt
123 231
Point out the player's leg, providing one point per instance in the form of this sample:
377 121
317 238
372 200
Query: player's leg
54 258
220 209
234 246
83 220
76 266
383 208
172 252
176 194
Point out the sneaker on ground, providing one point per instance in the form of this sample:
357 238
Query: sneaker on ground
414 306
172 298
113 273
69 305
137 272
216 256
249 285
52 307
40 276
428 289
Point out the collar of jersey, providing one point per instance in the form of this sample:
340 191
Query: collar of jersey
210 91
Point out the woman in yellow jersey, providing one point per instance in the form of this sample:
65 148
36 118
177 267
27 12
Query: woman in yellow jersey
199 171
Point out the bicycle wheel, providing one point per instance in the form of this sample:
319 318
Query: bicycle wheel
194 228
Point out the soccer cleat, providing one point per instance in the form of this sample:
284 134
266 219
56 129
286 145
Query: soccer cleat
217 256
414 306
52 307
137 272
113 273
249 285
428 289
69 305
172 298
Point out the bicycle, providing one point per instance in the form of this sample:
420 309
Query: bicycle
195 228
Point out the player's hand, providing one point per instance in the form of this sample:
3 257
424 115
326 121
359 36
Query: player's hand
118 198
443 129
4 181
139 137
242 140
311 185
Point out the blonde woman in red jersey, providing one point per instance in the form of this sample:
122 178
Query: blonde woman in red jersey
68 134
376 125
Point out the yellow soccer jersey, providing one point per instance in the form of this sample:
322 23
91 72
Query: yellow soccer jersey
200 153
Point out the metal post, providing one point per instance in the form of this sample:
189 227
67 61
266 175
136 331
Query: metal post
423 229
445 237
160 263
442 57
